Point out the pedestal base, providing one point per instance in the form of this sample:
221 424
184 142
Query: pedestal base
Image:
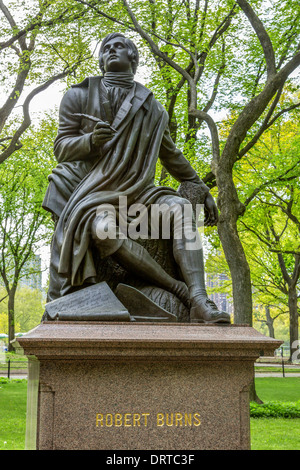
142 385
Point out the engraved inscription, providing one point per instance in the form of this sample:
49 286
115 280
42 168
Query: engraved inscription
177 419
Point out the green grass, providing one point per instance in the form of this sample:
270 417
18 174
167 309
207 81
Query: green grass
266 433
275 434
16 357
278 388
13 398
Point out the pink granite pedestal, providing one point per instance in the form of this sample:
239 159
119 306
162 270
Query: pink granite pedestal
133 386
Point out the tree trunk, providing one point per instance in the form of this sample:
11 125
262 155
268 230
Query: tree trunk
294 321
253 395
11 318
230 208
240 273
270 322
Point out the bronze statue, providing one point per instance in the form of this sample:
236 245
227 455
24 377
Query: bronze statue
111 133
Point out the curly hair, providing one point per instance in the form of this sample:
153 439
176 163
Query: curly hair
132 51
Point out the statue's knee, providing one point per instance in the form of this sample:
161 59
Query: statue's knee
104 226
176 204
182 201
179 209
99 226
105 235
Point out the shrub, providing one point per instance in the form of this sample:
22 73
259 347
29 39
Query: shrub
4 380
275 409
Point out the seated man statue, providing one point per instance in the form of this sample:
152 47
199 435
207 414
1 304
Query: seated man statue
111 133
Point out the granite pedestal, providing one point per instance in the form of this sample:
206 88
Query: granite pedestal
131 386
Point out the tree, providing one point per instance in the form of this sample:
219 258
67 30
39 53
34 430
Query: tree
25 226
264 316
204 44
33 55
29 308
270 228
277 232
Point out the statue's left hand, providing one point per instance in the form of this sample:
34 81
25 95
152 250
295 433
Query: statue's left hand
211 211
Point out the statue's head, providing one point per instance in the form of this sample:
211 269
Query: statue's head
118 54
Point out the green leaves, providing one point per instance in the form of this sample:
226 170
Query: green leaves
24 225
275 409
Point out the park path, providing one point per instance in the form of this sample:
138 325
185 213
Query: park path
257 374
276 374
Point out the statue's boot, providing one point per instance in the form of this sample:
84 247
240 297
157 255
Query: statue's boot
202 309
135 258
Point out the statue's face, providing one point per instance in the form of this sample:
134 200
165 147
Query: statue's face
115 56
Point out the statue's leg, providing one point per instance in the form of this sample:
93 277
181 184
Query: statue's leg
133 257
192 267
136 259
188 254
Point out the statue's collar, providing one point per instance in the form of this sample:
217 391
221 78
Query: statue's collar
141 92
119 80
114 79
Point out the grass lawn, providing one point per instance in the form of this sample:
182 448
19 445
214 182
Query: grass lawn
13 398
266 433
276 433
278 388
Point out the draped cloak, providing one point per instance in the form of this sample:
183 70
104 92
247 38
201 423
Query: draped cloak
86 177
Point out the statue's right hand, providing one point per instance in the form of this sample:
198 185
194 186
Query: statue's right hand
102 133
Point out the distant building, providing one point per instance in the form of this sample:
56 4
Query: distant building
32 274
221 299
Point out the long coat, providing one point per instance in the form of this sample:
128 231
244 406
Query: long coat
86 177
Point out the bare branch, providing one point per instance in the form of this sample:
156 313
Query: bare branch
284 271
267 123
3 298
14 96
203 20
252 111
296 271
292 65
201 115
222 28
280 178
262 35
15 144
216 83
105 15
154 46
289 39
38 23
260 236
13 24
